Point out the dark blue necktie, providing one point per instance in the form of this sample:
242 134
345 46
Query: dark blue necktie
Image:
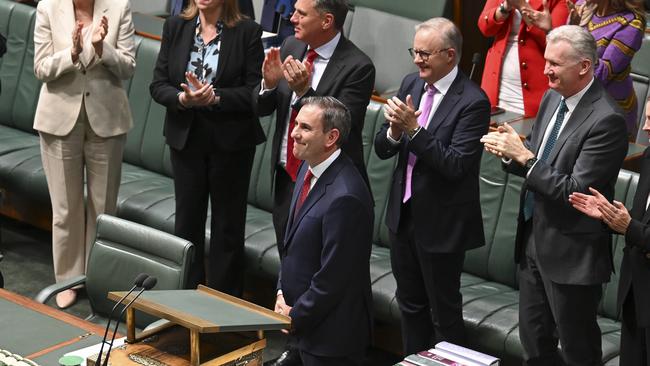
529 201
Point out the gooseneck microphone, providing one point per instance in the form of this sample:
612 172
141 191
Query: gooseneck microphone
148 284
278 18
476 59
138 282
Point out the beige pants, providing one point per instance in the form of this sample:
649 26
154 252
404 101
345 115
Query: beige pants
65 160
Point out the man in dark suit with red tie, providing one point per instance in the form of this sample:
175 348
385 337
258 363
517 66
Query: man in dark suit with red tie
325 275
434 214
317 61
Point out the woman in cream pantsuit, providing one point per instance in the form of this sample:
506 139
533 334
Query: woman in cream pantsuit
83 51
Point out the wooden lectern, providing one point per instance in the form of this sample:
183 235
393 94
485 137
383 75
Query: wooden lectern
216 328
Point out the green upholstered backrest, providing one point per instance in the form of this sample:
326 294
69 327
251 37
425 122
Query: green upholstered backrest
499 194
145 145
626 185
123 249
260 192
20 87
380 172
415 9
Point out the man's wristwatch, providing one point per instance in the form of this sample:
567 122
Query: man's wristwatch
413 131
503 10
529 163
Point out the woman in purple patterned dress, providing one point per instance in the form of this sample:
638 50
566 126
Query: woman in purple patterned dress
617 26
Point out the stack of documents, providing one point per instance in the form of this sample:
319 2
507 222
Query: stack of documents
448 354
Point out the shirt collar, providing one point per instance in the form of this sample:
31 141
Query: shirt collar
445 82
572 101
319 169
327 50
197 29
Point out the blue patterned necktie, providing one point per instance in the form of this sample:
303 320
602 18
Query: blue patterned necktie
529 201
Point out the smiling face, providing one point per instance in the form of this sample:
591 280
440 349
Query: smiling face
311 143
440 59
567 74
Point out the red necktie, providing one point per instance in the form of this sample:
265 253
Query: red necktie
292 163
304 191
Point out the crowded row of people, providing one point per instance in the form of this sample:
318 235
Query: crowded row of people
214 80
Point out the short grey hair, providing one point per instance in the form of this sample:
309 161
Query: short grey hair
580 40
447 30
335 115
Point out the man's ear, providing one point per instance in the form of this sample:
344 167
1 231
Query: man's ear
332 137
585 65
328 21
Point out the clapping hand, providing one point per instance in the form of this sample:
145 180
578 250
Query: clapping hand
99 34
596 206
540 19
77 41
272 68
402 117
202 95
298 74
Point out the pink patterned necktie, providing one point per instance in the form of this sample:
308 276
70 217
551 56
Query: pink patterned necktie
422 121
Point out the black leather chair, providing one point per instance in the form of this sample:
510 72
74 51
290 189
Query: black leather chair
123 249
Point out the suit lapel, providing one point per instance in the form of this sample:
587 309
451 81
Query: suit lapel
316 193
545 119
447 103
643 189
227 42
184 48
67 20
334 67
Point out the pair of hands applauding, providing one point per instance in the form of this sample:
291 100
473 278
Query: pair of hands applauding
543 19
596 206
97 40
202 95
297 73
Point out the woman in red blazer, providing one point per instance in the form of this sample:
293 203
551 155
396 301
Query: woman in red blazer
496 20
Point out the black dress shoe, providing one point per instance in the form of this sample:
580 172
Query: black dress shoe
290 357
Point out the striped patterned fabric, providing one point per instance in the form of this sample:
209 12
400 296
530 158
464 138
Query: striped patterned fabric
618 37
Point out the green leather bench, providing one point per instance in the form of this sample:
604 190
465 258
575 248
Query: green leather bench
147 197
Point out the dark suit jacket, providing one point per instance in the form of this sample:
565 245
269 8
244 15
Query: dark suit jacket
325 274
3 48
445 194
635 268
349 77
238 72
573 248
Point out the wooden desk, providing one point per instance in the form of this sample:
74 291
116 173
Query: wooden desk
42 333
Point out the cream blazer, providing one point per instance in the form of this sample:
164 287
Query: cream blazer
98 84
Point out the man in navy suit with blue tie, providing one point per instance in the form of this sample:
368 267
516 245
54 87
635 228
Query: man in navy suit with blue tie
324 281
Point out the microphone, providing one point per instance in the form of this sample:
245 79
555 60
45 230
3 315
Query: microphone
139 280
148 284
476 59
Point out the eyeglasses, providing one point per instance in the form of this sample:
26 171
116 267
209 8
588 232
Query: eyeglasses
424 55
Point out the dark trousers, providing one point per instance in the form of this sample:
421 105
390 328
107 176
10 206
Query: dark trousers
635 341
309 359
550 311
200 173
428 291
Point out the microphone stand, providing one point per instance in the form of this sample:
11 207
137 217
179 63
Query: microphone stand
146 285
139 280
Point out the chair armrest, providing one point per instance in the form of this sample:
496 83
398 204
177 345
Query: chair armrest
45 294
